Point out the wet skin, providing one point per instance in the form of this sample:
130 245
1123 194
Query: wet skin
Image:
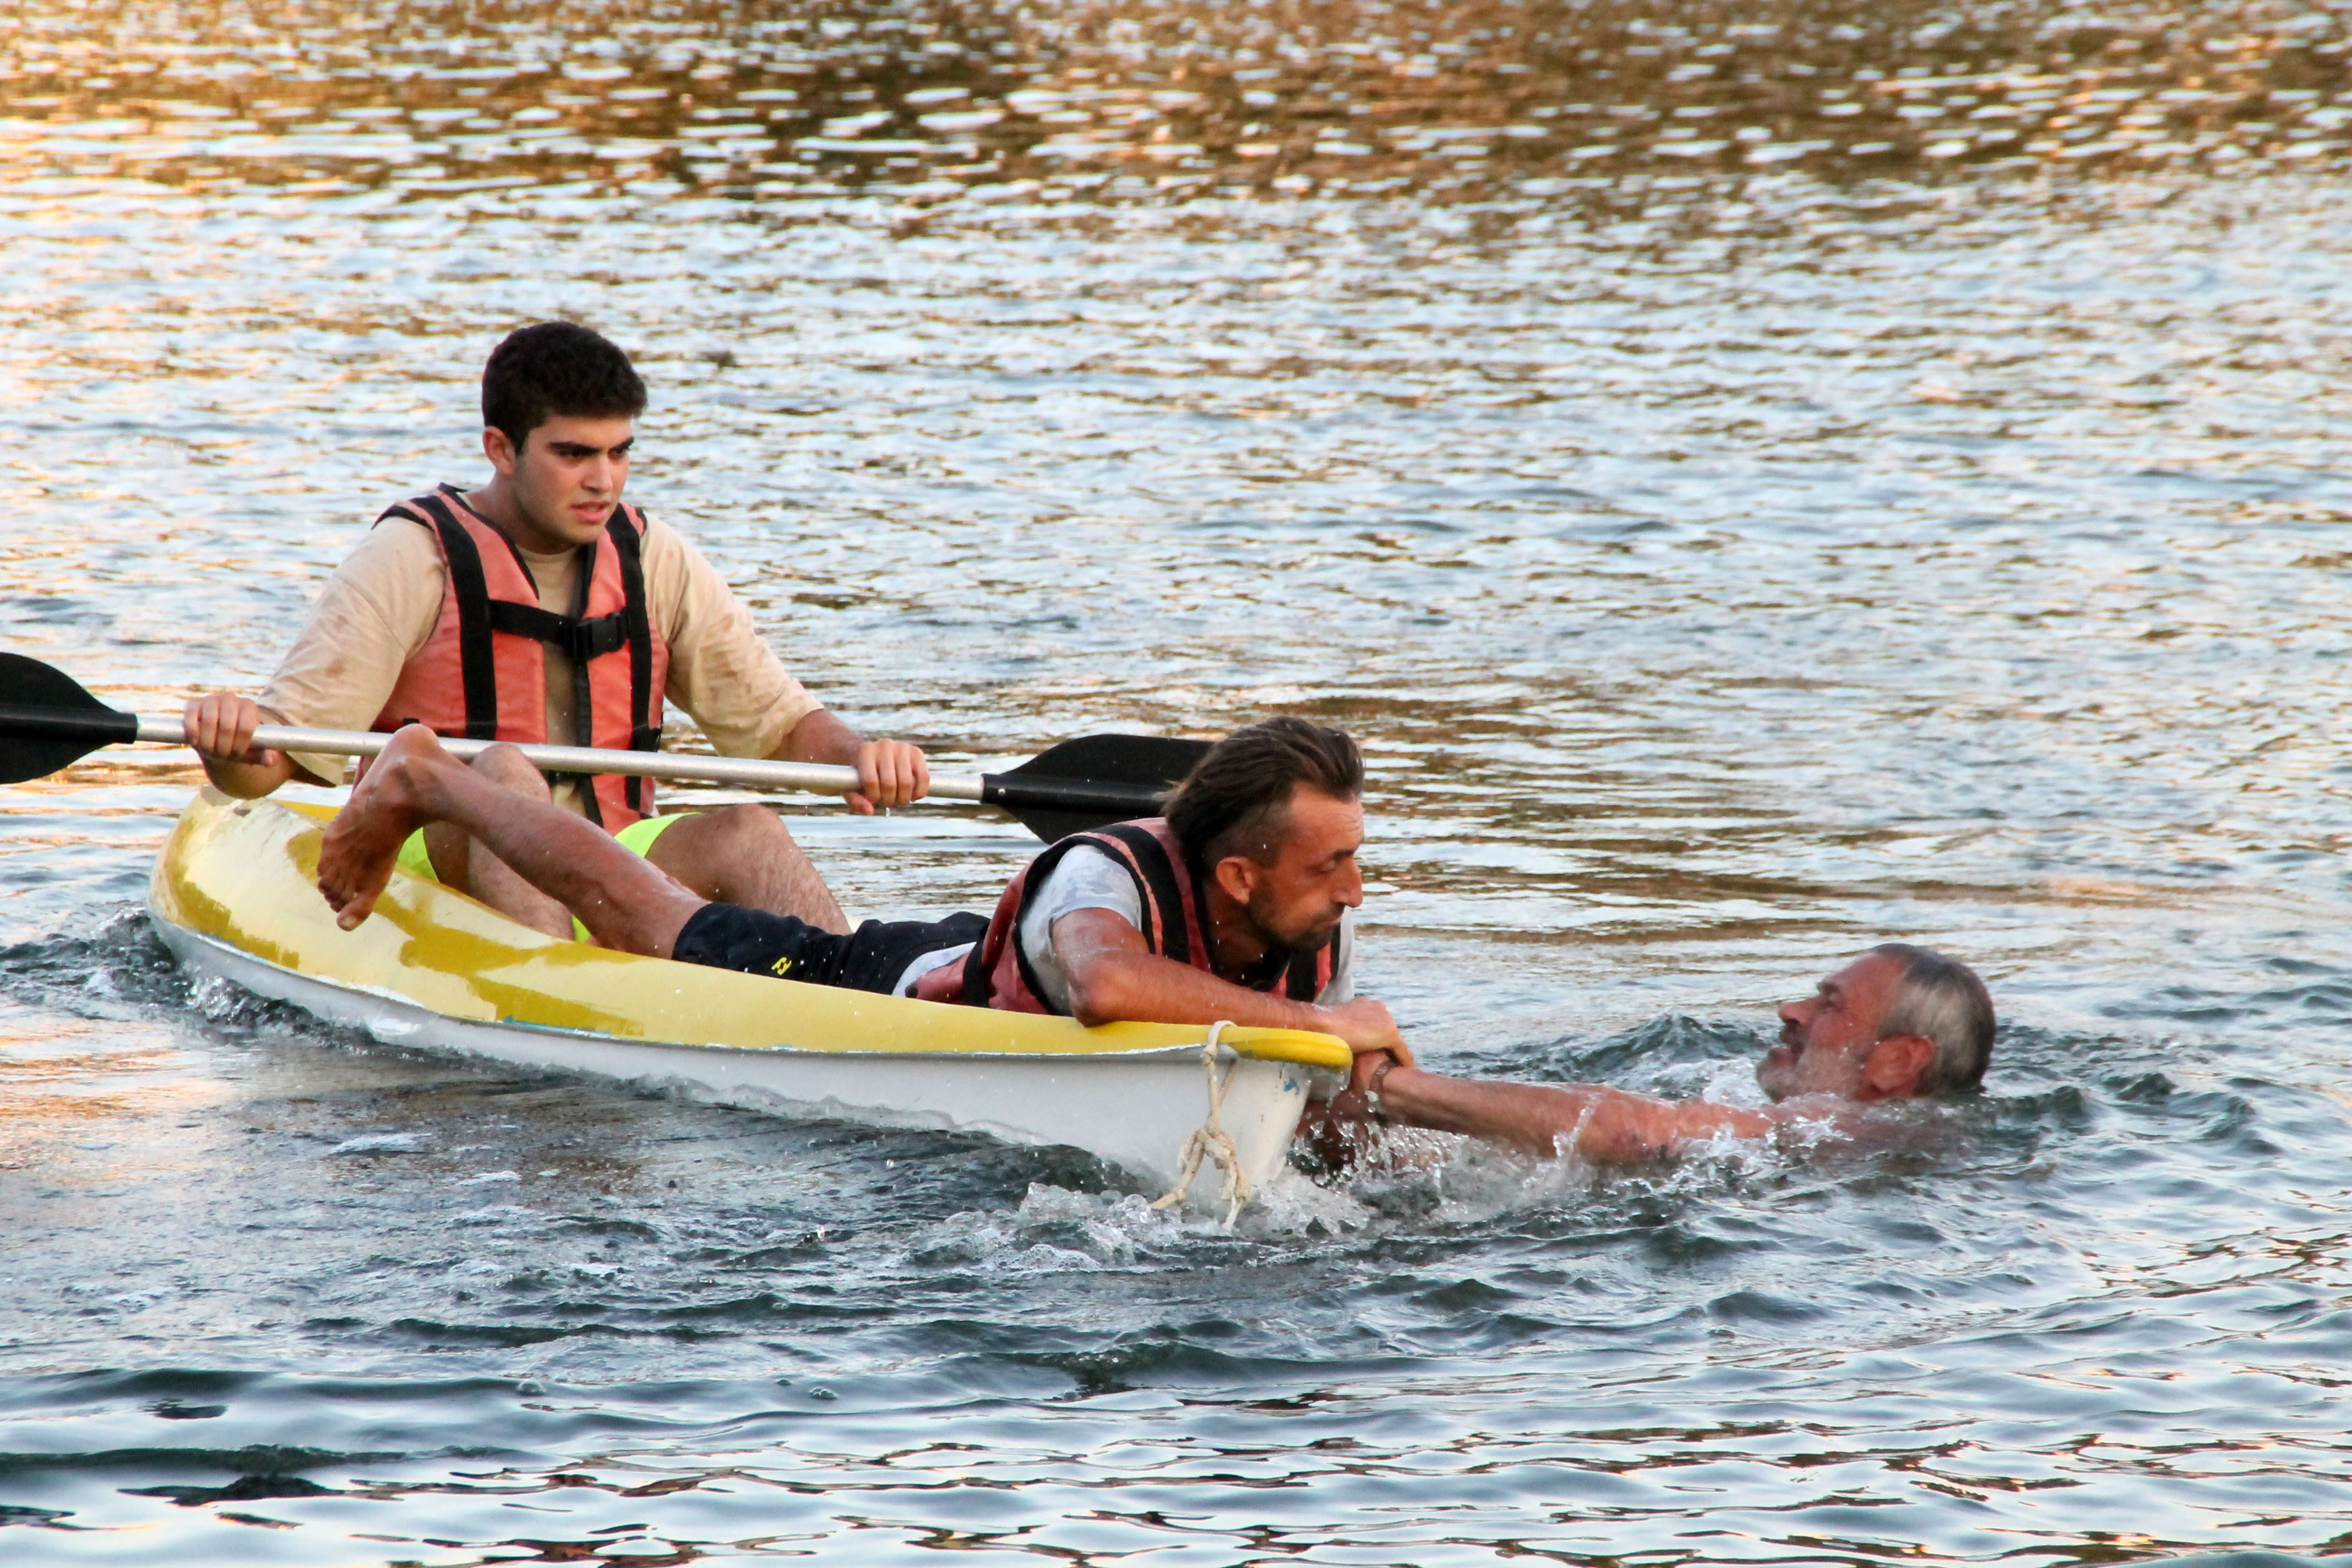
1831 1057
362 843
1830 1042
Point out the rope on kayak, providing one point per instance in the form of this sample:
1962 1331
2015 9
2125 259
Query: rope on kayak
1211 1138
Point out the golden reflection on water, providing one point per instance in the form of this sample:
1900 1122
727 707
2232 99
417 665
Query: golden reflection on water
57 1093
1720 578
1127 99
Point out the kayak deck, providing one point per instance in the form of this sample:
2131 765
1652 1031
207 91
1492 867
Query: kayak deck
234 894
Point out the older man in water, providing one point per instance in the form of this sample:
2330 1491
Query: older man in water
1899 1022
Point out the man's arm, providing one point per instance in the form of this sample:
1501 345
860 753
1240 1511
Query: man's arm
725 674
1607 1126
371 616
889 772
1114 975
220 726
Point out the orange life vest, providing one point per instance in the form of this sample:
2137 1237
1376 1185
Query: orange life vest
998 973
483 672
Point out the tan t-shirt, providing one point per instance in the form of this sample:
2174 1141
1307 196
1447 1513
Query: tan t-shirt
380 605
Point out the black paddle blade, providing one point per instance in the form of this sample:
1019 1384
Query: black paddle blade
1092 782
1157 762
47 721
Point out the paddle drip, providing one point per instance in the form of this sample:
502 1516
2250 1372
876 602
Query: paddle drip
1211 1138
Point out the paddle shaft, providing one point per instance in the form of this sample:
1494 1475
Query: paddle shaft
106 727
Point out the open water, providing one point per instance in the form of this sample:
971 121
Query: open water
1760 480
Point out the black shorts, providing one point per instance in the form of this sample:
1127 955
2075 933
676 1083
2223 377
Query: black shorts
871 958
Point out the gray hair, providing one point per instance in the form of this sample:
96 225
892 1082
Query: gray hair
1942 999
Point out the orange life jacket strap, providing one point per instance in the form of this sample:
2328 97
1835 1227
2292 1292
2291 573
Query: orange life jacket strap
472 591
638 631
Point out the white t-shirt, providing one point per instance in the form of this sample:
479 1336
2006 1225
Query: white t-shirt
1090 878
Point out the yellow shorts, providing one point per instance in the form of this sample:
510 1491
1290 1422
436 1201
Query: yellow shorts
637 838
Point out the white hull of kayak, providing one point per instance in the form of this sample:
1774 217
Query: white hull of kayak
234 899
1135 1110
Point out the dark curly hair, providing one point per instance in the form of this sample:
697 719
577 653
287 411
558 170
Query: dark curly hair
1237 797
557 368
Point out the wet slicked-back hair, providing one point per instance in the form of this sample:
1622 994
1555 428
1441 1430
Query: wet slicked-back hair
1236 800
557 369
1942 999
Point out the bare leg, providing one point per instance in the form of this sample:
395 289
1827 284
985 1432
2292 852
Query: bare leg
625 902
462 863
744 855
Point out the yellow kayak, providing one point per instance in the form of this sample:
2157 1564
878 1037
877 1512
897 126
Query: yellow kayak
233 897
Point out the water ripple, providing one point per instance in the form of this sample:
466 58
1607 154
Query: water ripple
1757 483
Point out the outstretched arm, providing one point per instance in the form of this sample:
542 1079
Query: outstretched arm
1113 975
1608 1126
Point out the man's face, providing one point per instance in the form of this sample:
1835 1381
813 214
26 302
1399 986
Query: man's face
1826 1040
1297 900
566 480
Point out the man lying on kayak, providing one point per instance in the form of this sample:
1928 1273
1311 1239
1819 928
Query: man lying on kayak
1898 1021
1237 905
541 607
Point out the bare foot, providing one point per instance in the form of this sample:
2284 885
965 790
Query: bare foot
363 841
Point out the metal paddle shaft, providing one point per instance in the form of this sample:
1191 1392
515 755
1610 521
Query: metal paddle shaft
47 721
818 778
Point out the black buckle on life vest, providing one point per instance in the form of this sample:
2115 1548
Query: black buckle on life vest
579 640
584 640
